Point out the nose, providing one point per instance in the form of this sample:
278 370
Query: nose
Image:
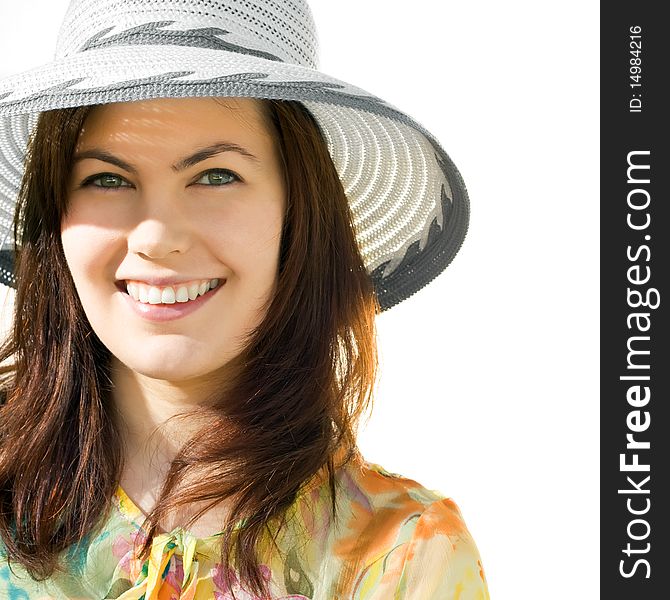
160 232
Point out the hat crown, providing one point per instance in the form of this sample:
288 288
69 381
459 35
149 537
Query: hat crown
281 30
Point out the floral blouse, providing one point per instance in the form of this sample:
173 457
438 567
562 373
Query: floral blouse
394 540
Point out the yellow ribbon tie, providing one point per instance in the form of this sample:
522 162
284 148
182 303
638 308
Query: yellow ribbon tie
162 549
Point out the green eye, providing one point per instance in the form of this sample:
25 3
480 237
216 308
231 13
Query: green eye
218 177
106 179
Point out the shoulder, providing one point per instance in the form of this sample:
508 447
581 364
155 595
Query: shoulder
409 541
381 496
441 558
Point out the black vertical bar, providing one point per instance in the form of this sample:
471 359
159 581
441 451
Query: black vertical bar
635 261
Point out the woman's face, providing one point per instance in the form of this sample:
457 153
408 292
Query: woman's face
146 203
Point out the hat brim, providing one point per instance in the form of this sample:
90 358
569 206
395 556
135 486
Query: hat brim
409 204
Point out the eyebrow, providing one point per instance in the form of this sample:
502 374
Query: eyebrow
180 165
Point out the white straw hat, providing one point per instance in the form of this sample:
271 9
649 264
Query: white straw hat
408 200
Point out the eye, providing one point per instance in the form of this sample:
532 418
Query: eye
218 177
106 179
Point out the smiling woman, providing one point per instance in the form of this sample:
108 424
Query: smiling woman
165 222
189 370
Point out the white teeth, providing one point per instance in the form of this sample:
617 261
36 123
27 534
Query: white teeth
193 291
169 295
182 294
154 295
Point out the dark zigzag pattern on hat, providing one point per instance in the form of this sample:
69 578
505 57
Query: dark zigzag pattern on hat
150 34
123 85
419 266
238 84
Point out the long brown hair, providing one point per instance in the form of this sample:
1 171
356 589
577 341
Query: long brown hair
305 377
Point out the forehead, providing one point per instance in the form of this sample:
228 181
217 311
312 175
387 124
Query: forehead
165 121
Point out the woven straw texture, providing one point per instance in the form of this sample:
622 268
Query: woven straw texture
408 201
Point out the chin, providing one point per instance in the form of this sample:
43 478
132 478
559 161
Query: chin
169 366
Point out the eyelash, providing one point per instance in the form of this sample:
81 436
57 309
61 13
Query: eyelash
88 182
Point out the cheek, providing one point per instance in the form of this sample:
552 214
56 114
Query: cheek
249 242
88 249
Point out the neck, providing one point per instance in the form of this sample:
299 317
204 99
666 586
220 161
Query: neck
156 417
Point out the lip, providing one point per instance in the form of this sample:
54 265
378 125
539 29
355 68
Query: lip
160 313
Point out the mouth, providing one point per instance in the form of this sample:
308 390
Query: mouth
190 291
169 311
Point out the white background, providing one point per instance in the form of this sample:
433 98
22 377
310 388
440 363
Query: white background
488 389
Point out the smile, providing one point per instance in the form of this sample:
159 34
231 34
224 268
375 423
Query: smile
183 292
167 304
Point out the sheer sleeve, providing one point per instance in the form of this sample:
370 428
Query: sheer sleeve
442 560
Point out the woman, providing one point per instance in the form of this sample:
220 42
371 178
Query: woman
205 228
